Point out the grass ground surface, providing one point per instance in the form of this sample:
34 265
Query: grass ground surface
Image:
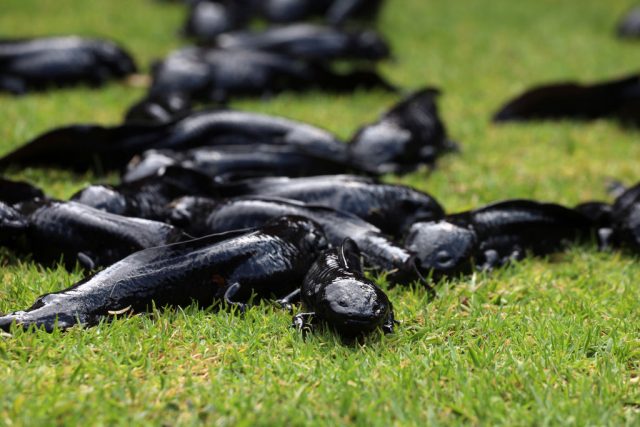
545 341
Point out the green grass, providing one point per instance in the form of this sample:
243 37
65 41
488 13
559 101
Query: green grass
545 341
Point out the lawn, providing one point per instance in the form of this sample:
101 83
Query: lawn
545 341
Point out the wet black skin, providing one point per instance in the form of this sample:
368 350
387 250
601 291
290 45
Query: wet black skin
618 99
207 19
159 109
12 192
217 75
336 12
335 292
270 261
392 208
310 42
12 225
40 63
227 163
407 136
442 249
627 228
626 219
286 11
147 197
599 213
629 25
82 147
379 252
627 198
191 213
80 234
509 229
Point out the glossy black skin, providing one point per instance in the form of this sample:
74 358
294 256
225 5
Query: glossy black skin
217 75
37 64
82 147
626 219
629 25
335 292
191 213
392 208
407 136
336 12
108 199
509 229
310 42
270 261
207 19
12 224
147 197
286 11
95 239
627 198
618 99
627 228
12 192
442 249
159 109
379 252
227 163
599 213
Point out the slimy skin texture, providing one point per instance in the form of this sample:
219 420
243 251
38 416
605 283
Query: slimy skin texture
618 99
392 208
407 136
112 147
380 253
270 261
42 63
336 293
310 42
92 237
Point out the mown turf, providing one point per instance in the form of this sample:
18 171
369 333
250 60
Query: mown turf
552 341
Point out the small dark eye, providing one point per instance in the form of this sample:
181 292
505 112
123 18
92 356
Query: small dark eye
444 259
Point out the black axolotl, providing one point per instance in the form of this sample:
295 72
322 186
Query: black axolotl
335 12
625 220
336 292
12 192
618 99
89 146
146 197
207 19
200 217
158 109
12 224
407 136
40 63
392 208
232 162
231 267
442 249
310 42
494 235
78 233
218 75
